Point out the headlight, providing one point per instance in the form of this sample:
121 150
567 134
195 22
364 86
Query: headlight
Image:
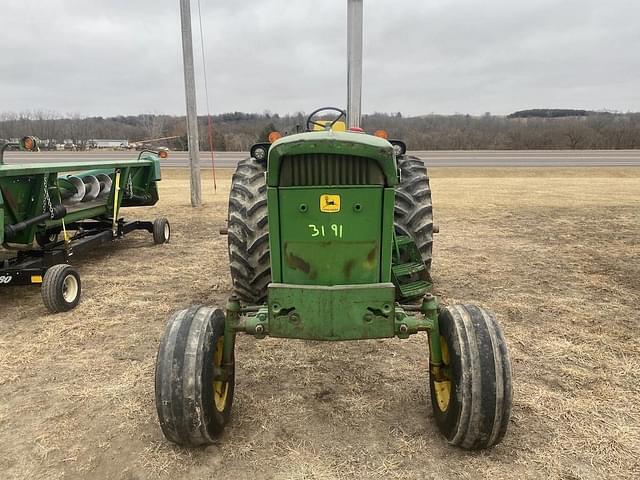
399 148
259 153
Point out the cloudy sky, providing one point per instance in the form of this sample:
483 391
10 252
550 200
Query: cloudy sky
110 57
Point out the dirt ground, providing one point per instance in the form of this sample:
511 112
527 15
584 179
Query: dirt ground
554 252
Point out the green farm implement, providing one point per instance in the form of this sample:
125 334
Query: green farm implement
49 213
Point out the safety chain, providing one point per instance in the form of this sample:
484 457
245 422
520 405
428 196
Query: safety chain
129 189
46 201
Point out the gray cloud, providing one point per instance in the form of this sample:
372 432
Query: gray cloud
100 57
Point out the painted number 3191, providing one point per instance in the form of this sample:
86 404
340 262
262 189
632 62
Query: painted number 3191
5 279
318 230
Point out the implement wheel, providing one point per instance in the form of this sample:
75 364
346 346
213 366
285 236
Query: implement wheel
161 231
471 392
413 210
44 239
61 288
248 232
193 408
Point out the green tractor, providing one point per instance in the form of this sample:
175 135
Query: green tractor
330 238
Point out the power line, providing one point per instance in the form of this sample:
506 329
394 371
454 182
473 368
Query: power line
206 94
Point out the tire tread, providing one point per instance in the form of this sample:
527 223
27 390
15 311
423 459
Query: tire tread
248 239
483 390
158 230
51 288
183 402
413 212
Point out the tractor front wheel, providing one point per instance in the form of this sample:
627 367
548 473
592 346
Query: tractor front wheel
192 400
471 389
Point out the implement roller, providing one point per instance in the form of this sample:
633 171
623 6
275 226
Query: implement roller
49 213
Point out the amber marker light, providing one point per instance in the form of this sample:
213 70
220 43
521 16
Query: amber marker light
273 136
382 134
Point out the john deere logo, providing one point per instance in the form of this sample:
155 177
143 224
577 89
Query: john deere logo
330 203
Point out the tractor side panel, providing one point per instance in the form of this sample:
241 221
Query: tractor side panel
330 235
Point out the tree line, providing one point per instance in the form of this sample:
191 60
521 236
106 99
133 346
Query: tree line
237 131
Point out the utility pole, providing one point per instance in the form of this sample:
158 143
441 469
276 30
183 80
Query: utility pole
190 94
354 59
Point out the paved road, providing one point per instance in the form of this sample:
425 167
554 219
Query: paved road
458 158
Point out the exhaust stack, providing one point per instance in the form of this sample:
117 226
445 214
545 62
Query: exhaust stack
354 65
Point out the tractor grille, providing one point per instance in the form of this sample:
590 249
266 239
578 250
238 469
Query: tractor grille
329 169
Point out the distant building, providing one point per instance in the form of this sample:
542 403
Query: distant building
101 143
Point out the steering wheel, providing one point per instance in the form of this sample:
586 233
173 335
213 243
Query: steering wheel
311 121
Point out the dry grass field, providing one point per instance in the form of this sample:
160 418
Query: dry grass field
554 252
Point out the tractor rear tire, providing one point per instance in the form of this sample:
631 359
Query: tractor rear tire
248 232
471 397
193 409
61 288
413 209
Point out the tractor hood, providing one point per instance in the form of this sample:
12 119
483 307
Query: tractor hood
337 143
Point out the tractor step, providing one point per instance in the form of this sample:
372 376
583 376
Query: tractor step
402 240
414 289
408 268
